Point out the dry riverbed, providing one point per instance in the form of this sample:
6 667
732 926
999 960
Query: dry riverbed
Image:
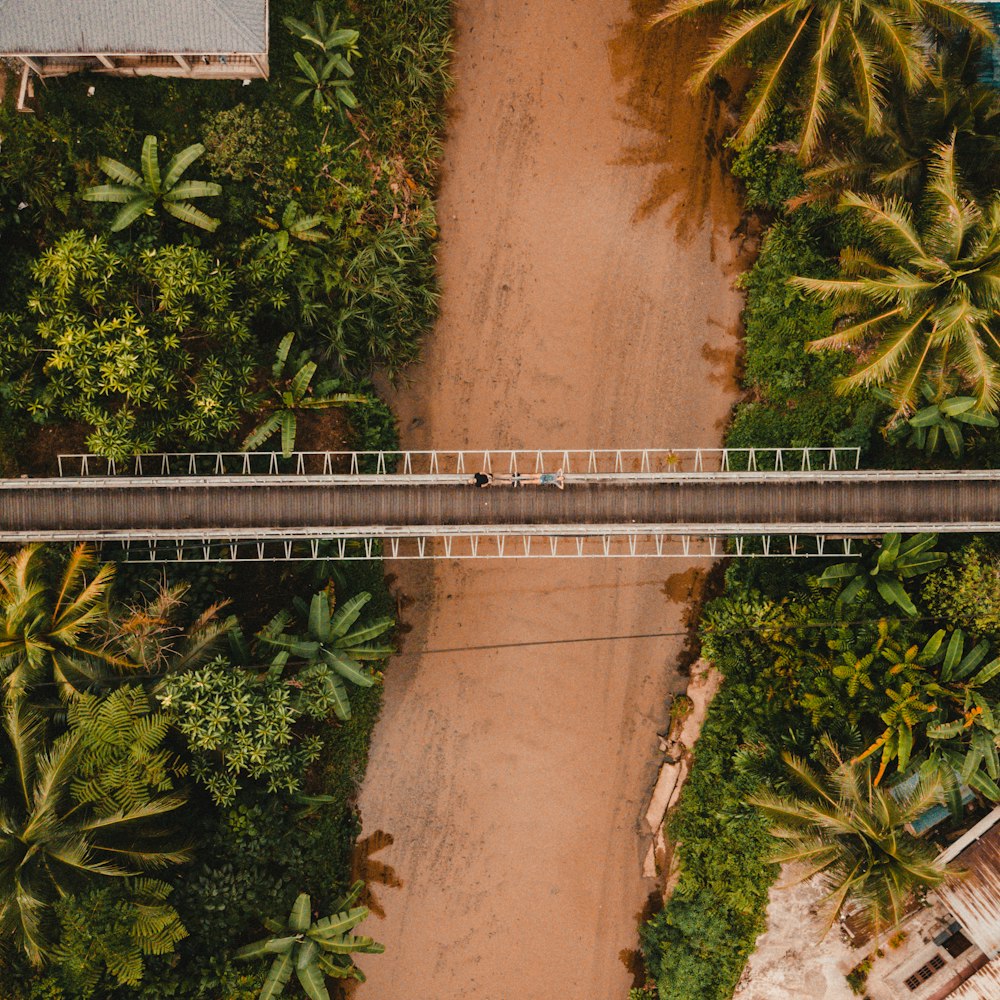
587 261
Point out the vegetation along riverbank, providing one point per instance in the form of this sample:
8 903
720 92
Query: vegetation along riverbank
197 266
871 321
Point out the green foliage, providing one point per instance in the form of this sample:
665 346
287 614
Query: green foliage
314 949
334 649
405 75
797 662
294 225
239 725
849 832
951 103
697 945
106 935
139 194
147 346
883 570
373 426
250 144
122 763
916 301
51 847
823 57
326 77
967 590
771 178
292 390
35 171
791 398
942 421
48 614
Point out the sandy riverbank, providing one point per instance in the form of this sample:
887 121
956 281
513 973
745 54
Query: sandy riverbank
587 265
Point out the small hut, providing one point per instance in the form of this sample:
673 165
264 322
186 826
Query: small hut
203 39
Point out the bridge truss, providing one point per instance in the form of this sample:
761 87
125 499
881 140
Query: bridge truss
581 541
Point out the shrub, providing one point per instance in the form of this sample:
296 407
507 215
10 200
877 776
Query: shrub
770 176
249 144
145 346
967 591
104 935
239 725
792 400
121 760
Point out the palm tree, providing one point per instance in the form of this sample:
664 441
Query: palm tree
849 833
825 53
47 630
50 846
313 949
148 635
139 194
334 649
293 393
921 307
894 160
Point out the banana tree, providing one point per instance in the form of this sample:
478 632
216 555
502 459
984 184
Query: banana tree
138 194
326 78
334 650
313 949
885 569
294 225
967 729
943 420
294 393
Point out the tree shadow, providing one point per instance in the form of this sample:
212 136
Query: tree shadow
372 871
680 134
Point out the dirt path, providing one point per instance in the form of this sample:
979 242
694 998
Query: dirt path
587 267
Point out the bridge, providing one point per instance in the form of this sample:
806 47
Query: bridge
644 502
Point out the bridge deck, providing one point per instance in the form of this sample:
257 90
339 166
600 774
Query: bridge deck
843 503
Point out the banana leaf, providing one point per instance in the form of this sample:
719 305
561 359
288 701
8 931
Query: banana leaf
131 212
193 189
115 194
312 982
299 918
337 924
348 613
151 164
277 977
179 163
118 171
186 212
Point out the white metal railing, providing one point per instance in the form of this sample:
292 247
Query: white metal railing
635 545
591 461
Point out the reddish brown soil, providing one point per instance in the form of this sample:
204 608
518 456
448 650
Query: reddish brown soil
587 262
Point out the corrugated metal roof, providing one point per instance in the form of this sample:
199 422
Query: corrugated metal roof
983 985
975 899
39 27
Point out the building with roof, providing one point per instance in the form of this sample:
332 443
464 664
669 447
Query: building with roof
949 948
215 39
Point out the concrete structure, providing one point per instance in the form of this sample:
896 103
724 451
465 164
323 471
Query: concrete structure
952 943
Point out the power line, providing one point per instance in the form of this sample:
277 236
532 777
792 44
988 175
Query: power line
787 629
